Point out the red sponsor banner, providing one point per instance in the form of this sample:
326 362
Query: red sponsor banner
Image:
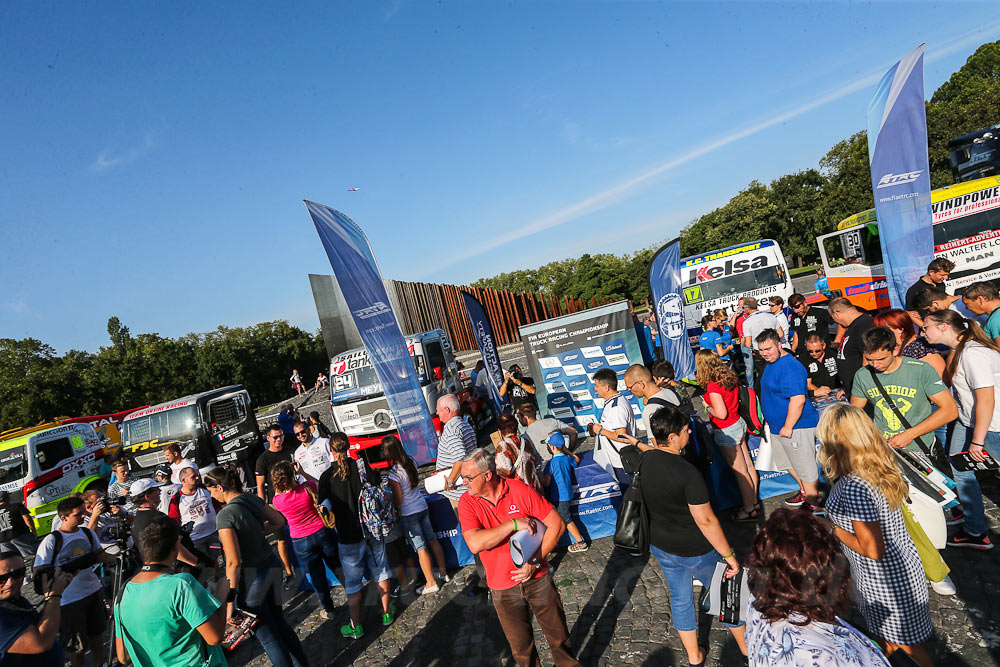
959 243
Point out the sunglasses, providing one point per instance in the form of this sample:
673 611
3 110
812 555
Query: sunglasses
16 574
299 434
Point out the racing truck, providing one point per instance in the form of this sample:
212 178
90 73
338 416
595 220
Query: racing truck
211 428
361 410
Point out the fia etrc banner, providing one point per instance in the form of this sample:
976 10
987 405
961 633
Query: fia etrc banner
483 332
361 283
897 150
665 286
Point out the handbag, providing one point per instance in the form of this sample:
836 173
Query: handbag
329 520
934 566
764 461
632 527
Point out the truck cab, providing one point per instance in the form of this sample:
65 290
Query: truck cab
358 403
211 428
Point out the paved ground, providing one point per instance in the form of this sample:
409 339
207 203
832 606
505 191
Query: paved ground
618 613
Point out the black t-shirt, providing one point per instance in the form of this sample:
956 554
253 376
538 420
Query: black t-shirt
669 485
11 523
343 496
822 373
265 462
140 520
914 291
519 396
850 357
815 321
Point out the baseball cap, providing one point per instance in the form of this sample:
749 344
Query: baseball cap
141 486
556 440
287 407
162 470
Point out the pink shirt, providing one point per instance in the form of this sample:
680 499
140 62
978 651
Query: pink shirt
299 510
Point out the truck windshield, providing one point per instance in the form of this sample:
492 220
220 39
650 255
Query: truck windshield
742 282
364 382
162 427
857 245
13 466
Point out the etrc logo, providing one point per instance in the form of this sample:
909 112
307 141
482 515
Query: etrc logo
552 375
671 316
376 308
892 179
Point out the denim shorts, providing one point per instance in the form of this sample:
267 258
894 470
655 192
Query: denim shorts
355 557
562 508
418 529
732 435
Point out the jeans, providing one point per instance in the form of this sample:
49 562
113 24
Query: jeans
354 558
261 595
748 363
419 531
968 486
680 571
316 552
517 604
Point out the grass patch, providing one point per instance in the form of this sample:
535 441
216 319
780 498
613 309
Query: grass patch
792 273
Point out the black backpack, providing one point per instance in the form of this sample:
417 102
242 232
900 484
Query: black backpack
699 448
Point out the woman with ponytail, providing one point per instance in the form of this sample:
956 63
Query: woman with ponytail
865 506
973 373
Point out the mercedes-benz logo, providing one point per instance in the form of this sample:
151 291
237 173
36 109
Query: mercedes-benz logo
382 419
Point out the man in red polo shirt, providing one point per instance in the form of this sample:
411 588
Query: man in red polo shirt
490 512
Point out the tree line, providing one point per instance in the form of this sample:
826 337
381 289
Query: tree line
145 369
795 208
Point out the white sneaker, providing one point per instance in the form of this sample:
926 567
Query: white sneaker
944 587
427 590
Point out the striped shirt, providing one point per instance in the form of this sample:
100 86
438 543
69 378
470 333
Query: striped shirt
458 439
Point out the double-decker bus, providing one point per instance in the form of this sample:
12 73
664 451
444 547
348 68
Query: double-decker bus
966 231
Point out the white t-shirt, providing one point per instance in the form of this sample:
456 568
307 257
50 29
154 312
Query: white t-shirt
74 545
979 367
198 509
167 492
175 469
482 382
782 324
757 322
315 457
413 500
617 413
650 409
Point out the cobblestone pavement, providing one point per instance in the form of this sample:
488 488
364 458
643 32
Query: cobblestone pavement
618 614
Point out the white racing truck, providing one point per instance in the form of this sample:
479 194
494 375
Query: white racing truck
361 410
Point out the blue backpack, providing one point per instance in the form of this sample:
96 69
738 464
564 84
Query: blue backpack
375 509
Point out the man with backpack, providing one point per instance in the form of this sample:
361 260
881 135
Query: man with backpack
537 430
616 427
74 548
639 381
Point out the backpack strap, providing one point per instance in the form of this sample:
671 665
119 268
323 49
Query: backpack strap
662 402
895 410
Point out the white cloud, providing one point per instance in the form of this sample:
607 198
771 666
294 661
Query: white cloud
113 156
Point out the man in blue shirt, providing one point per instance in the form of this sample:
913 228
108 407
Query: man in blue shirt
791 417
712 338
560 469
984 299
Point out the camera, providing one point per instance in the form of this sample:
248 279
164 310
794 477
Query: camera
515 372
106 503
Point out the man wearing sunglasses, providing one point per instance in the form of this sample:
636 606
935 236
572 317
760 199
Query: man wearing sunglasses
23 631
276 451
312 456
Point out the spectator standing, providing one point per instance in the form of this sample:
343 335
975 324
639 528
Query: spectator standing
457 440
105 518
776 305
166 619
119 488
639 382
145 495
616 427
711 338
937 272
413 509
515 455
821 283
17 530
339 489
287 417
664 378
973 373
807 320
932 299
850 357
317 427
913 386
538 430
909 343
756 322
865 505
821 368
518 388
167 489
83 617
193 504
172 453
297 383
489 513
685 536
27 637
736 321
722 399
275 452
981 299
315 545
792 419
559 470
251 567
801 586
105 468
312 456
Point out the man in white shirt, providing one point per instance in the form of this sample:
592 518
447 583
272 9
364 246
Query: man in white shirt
756 322
776 305
172 452
639 381
616 427
193 504
312 457
162 474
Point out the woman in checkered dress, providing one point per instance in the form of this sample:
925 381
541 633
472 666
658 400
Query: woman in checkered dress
865 507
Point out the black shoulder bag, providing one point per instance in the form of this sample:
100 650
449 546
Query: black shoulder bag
899 415
632 528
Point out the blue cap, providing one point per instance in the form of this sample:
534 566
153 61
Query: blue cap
557 440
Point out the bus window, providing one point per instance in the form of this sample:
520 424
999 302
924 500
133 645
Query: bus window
857 245
53 452
957 229
227 412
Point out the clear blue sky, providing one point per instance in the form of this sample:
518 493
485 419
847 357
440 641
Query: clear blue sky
155 155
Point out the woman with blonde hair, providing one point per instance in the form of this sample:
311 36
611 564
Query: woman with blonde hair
865 506
722 398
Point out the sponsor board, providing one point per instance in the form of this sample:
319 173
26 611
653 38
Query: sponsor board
574 369
549 362
582 395
556 387
592 352
618 360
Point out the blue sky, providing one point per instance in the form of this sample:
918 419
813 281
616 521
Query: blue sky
155 155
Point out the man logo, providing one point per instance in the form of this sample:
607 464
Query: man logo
671 316
892 179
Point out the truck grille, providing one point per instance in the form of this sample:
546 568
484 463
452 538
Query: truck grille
150 460
365 409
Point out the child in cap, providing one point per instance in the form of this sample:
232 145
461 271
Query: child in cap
559 469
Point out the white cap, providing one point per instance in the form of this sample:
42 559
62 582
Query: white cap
141 486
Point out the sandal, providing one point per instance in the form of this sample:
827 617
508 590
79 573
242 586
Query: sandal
742 516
